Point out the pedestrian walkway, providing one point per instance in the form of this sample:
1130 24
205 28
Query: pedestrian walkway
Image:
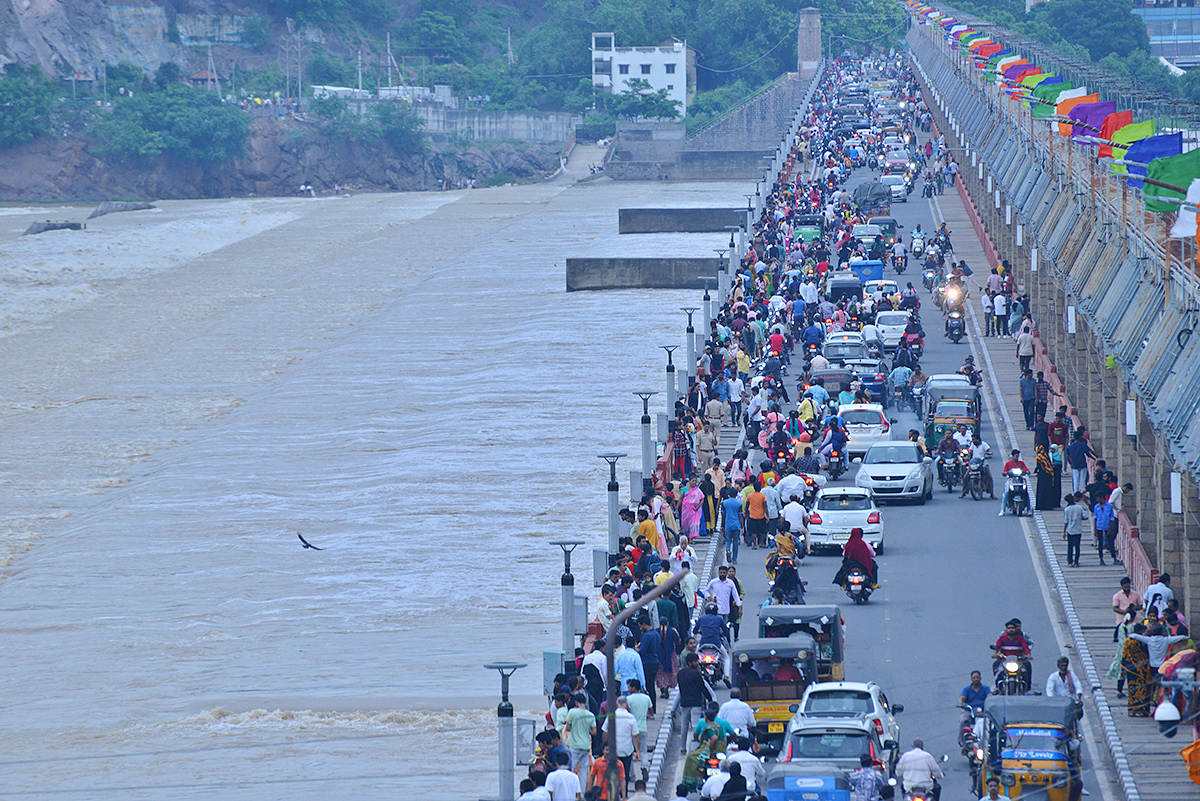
1157 767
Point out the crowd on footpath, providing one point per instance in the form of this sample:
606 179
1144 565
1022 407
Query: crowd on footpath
1151 631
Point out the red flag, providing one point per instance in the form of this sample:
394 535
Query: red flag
1113 123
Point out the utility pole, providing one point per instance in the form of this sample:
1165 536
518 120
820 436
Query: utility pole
511 60
359 94
389 59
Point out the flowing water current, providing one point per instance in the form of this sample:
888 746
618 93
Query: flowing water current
400 378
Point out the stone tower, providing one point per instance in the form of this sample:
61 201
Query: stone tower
808 42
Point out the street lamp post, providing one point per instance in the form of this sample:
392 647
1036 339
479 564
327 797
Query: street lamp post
722 275
568 600
671 385
614 504
689 369
504 714
647 446
708 311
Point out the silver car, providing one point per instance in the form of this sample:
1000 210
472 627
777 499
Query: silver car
896 470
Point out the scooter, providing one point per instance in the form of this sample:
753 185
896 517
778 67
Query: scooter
1016 489
712 664
836 465
955 327
857 585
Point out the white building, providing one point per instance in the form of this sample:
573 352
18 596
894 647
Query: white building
670 66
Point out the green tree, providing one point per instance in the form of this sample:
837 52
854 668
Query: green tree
124 75
641 101
399 126
179 121
324 69
25 106
168 73
1101 26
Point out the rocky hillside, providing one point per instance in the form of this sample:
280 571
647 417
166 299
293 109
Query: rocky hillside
280 156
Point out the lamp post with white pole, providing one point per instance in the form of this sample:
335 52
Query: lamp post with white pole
568 601
504 714
671 385
647 445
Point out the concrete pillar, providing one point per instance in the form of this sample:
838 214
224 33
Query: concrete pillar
1188 582
1145 484
1110 415
1095 387
1170 554
1078 376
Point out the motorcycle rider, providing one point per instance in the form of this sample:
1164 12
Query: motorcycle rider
900 376
968 370
1014 463
774 369
857 553
918 768
947 449
1014 643
713 629
835 439
903 356
981 451
972 697
900 254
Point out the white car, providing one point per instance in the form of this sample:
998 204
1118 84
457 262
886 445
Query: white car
896 470
832 699
866 424
880 288
845 336
891 325
839 509
897 185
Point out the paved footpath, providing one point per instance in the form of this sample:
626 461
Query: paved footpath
1157 767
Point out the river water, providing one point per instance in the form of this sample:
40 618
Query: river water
402 379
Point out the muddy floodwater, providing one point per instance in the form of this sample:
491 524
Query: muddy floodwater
400 378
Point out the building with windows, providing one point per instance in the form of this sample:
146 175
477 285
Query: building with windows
670 66
1174 27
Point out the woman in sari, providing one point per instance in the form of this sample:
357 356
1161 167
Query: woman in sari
1139 677
1045 498
668 661
711 743
1114 670
709 505
691 514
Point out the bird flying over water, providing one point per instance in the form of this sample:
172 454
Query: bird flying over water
306 543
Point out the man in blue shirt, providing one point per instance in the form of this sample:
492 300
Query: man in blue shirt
972 697
813 335
819 393
1105 516
1077 453
731 511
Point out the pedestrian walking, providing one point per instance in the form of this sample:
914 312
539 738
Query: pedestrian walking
1024 348
1104 516
1077 455
1041 396
989 307
1125 601
1000 312
1028 389
1073 516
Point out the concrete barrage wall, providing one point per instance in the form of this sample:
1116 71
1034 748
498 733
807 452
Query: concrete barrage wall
655 221
758 125
632 273
482 125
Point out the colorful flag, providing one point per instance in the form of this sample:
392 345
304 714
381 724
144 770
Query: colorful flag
1048 93
1146 150
1185 225
1130 133
1178 171
1088 117
1113 123
1064 108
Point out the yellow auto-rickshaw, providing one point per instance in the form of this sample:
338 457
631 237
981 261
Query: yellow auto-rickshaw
822 623
772 675
1031 743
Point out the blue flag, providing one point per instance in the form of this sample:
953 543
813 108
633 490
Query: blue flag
1144 151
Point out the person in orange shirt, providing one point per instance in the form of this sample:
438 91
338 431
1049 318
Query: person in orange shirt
756 517
597 778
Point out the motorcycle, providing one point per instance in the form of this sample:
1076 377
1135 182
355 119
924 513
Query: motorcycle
1016 489
969 736
712 664
956 329
857 585
898 263
836 465
951 469
1013 675
927 276
974 478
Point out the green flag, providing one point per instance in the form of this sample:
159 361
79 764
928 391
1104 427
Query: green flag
1048 93
1177 170
1127 135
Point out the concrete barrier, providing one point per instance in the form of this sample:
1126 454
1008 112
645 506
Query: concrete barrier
638 273
655 221
49 225
113 206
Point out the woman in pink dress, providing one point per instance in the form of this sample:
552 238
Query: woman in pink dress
692 516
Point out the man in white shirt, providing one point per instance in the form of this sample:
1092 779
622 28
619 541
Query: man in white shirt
715 783
1117 497
1064 683
819 362
918 767
737 712
723 592
752 766
1158 594
628 738
562 783
596 657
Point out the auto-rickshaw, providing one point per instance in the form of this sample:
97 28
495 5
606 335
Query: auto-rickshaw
807 781
1031 743
822 623
772 674
947 416
938 389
